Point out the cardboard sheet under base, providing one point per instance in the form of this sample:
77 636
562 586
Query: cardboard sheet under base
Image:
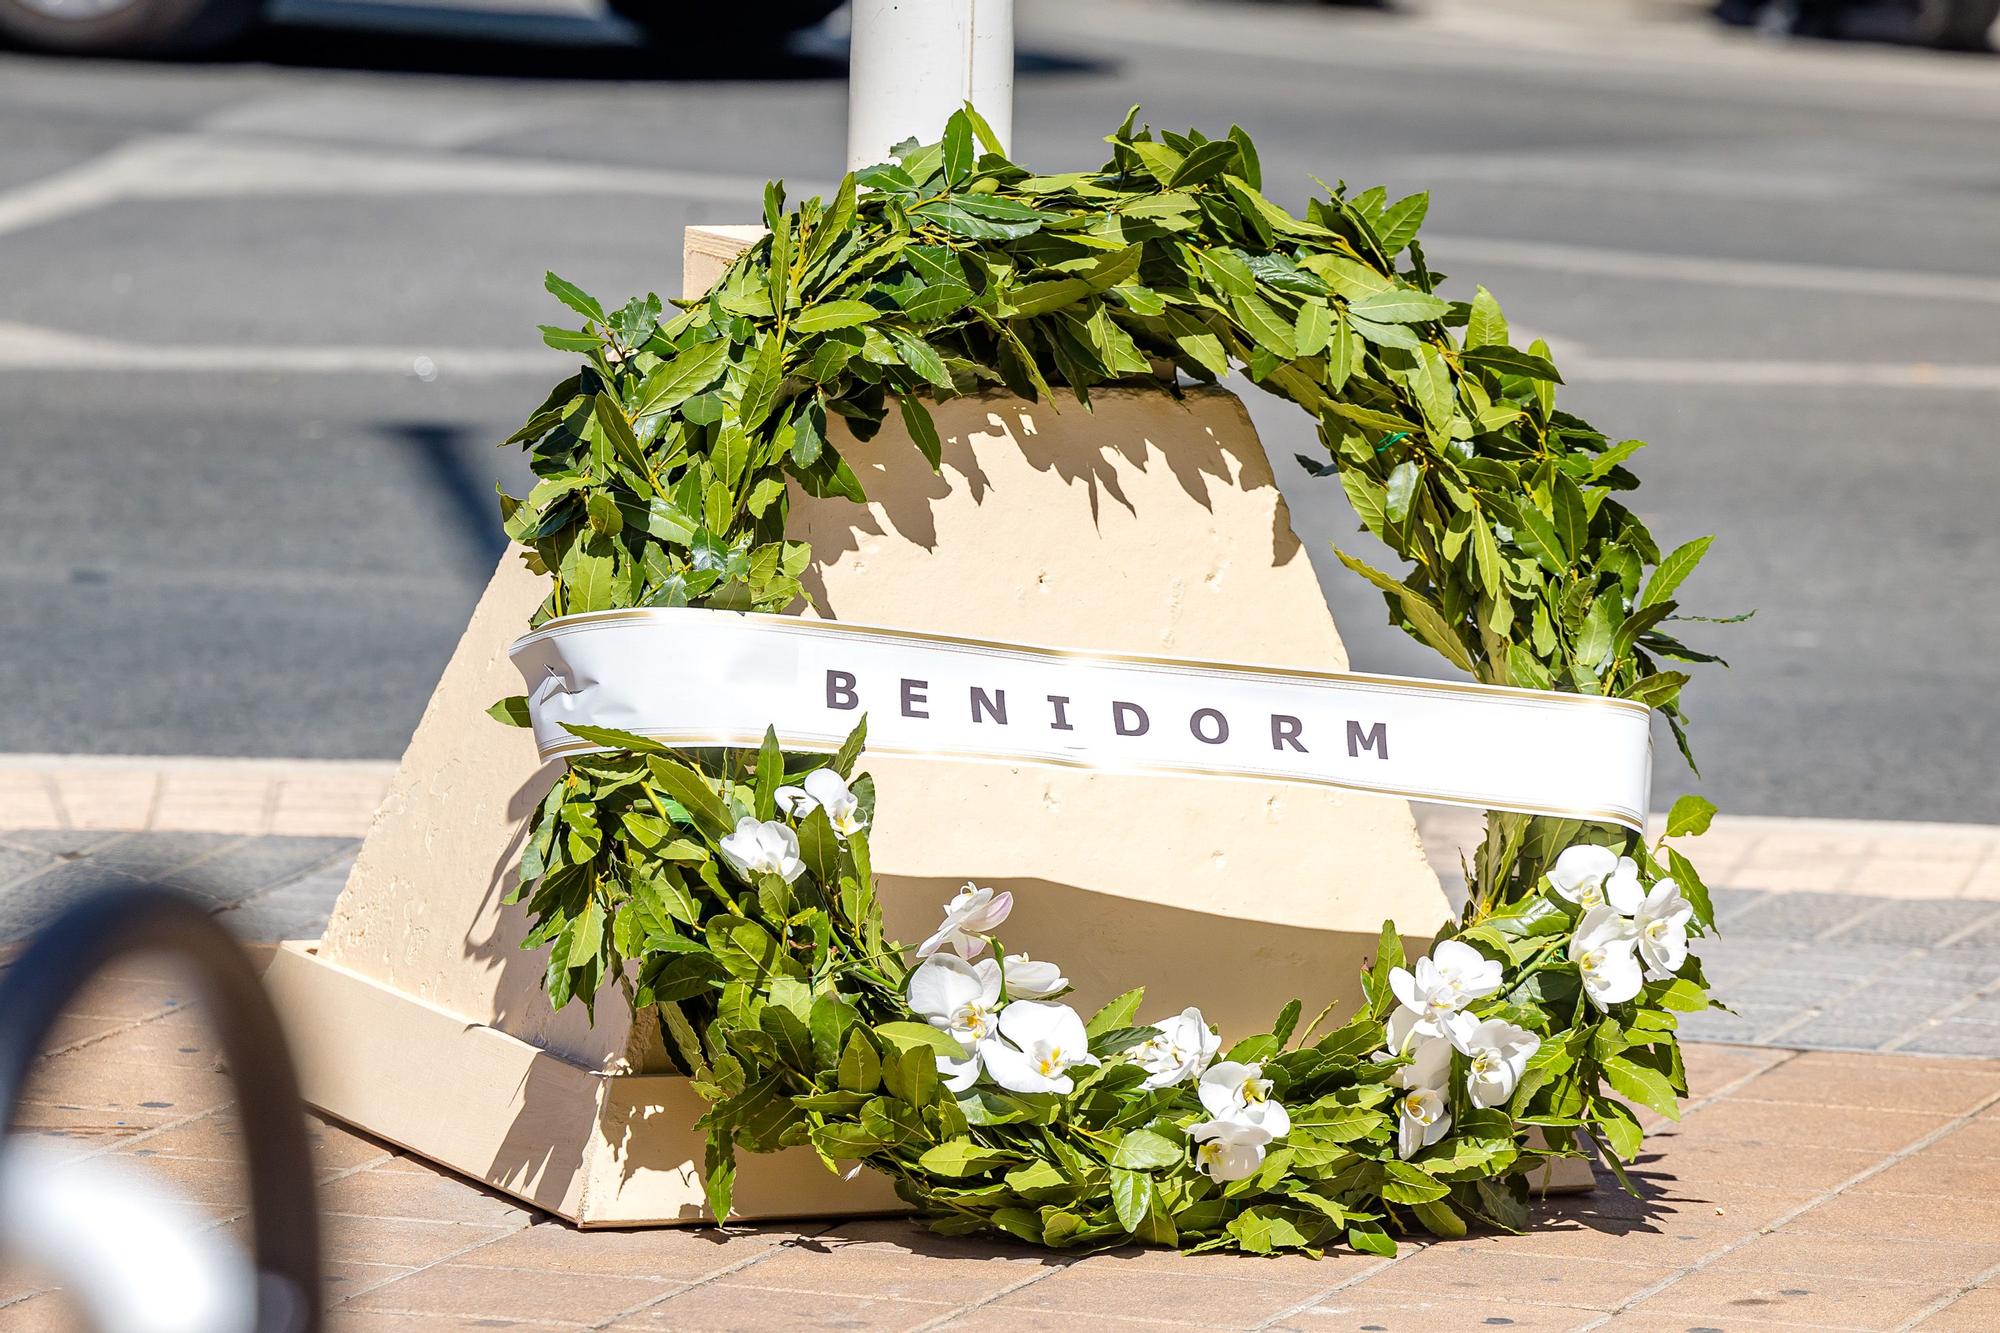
600 1150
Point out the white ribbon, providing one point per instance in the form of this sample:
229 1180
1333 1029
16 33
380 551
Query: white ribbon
694 677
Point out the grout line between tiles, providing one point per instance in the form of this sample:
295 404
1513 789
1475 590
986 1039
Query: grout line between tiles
1786 1218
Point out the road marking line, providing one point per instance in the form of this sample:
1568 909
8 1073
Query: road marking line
26 347
1834 278
1781 374
189 166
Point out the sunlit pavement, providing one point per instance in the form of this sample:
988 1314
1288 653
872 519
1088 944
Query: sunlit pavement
1814 1189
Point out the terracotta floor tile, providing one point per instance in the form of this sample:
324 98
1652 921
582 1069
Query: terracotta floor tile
1905 1216
1815 1300
1711 1068
1216 1302
1938 1174
987 1319
70 1030
1719 1168
142 1047
398 1240
17 1281
1790 1126
97 1125
1975 1138
715 1308
430 1197
222 1185
512 1293
85 1078
339 1147
899 1261
1669 1230
1893 1083
132 996
666 1253
395 1159
377 1321
1371 1311
218 1134
1336 1267
344 1277
51 1313
1790 1251
1640 1321
1471 1271
1975 1312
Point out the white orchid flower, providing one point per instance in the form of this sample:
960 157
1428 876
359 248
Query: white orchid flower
1239 1093
968 918
955 995
1404 1030
763 847
1228 1150
1430 1062
1178 1050
824 790
1496 1052
960 1073
1661 926
1591 876
1602 950
1421 1120
1442 984
1422 1117
1028 979
1048 1040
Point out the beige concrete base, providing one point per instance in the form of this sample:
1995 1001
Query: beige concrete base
1151 524
602 1150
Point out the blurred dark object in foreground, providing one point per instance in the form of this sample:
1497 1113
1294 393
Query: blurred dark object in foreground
194 27
92 1218
1952 25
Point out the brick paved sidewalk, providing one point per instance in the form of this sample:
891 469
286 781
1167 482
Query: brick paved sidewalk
1833 968
1818 1188
1813 1190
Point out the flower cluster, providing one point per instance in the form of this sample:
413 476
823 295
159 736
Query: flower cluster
997 1009
1629 934
761 847
1431 1021
1243 1121
1010 1029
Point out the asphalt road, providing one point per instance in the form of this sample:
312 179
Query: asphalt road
261 321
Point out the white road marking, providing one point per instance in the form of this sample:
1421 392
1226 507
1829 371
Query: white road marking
205 166
1781 374
1834 278
24 347
410 118
202 166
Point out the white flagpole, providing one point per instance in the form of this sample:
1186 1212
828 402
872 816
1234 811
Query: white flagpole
912 63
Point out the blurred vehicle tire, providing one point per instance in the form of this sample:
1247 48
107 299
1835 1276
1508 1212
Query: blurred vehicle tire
1955 25
753 23
125 27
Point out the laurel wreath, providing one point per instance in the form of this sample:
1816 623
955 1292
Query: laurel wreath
663 469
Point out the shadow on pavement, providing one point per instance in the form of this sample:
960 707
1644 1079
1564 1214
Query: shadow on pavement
448 457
